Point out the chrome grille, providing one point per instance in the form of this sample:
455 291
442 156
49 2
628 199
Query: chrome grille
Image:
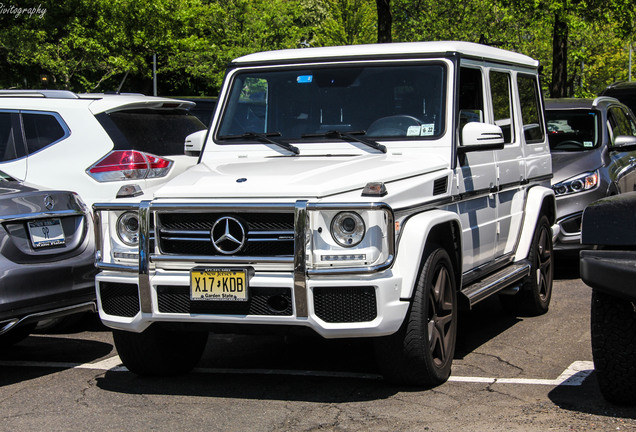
268 234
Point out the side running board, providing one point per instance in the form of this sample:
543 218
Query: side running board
504 278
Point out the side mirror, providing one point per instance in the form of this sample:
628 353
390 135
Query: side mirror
194 143
481 136
624 143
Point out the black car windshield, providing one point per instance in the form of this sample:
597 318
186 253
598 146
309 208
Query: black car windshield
572 129
159 132
314 104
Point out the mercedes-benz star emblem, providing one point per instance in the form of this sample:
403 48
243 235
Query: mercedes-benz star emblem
228 235
49 203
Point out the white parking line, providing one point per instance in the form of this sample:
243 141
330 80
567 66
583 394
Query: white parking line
574 375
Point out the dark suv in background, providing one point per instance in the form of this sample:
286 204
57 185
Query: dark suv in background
624 92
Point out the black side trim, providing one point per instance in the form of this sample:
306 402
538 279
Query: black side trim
481 147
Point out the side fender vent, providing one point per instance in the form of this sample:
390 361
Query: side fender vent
440 185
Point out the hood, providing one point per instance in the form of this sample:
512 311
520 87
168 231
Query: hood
284 177
566 165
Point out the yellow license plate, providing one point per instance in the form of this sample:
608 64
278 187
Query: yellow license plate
218 284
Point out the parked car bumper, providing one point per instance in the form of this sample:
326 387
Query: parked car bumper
33 292
610 271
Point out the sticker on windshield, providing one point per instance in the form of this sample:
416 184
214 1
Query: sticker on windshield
588 144
428 129
413 131
304 79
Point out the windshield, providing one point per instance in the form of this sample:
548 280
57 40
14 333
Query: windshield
335 103
572 130
160 132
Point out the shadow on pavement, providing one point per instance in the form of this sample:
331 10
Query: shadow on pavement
46 349
484 322
587 399
566 267
251 386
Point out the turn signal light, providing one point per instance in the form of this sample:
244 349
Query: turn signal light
129 165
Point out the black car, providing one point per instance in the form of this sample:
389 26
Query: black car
610 225
624 92
46 258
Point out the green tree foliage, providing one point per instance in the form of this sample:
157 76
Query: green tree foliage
102 45
596 34
347 22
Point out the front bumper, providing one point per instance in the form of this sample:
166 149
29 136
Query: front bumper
569 233
360 306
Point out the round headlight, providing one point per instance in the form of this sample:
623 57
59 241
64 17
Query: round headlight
128 228
577 185
347 229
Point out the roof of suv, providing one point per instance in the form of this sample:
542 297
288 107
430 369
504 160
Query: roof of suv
623 91
625 87
395 50
98 102
579 103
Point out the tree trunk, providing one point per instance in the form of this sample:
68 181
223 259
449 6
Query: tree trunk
559 85
385 20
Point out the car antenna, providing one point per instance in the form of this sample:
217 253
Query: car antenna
122 83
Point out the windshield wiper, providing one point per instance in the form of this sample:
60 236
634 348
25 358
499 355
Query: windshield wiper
348 136
263 137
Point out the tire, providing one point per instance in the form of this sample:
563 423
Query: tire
159 352
16 335
614 347
536 290
421 352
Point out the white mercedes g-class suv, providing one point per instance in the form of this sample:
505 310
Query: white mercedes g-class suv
358 191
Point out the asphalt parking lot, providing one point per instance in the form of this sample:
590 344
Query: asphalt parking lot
509 373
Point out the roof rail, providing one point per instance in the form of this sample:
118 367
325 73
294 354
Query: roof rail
54 94
603 98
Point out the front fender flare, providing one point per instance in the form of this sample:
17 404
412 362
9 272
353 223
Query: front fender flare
413 239
540 201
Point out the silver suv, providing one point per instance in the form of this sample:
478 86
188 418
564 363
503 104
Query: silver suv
593 146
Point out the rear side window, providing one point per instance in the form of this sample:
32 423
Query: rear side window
533 129
159 132
11 147
41 130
